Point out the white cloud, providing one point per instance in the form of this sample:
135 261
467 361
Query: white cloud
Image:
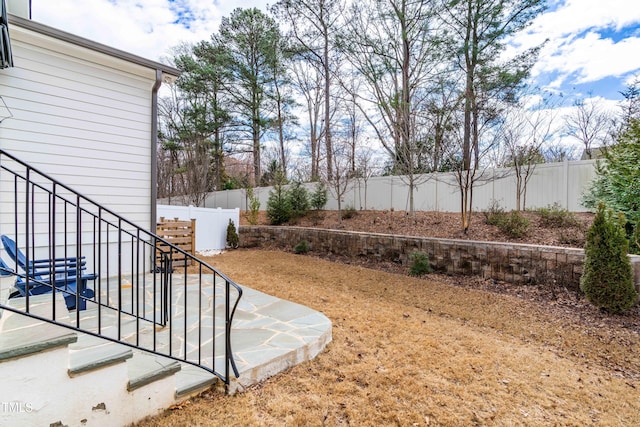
148 28
575 16
575 48
576 52
591 58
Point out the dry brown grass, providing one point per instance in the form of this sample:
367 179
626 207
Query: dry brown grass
409 351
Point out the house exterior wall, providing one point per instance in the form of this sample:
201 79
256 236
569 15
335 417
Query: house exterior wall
82 117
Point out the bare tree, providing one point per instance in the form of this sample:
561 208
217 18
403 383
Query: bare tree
526 129
388 43
589 123
559 152
442 117
283 104
313 25
477 30
367 166
308 82
338 182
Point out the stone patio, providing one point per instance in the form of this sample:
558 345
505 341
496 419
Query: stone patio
269 335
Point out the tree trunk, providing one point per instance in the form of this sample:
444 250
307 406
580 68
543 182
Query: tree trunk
327 104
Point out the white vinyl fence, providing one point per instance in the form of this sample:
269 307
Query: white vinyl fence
561 183
211 224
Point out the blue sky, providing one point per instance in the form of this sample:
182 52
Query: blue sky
593 45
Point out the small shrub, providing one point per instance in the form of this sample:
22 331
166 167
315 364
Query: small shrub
298 200
514 224
319 197
554 216
302 247
348 212
232 235
607 280
278 206
254 207
419 264
495 214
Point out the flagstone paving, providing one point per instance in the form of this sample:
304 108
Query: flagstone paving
269 335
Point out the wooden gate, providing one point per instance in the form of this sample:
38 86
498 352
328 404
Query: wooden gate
179 233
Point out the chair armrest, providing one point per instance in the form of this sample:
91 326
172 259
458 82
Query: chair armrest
41 263
60 271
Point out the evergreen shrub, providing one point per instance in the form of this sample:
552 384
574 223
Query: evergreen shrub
419 264
607 279
232 235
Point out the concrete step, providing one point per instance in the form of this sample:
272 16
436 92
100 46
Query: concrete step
192 380
91 353
22 336
146 368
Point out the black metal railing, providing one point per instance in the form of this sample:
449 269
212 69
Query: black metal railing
141 296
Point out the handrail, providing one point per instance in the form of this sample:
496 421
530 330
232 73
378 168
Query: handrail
138 300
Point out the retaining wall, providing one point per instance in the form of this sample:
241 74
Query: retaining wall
514 263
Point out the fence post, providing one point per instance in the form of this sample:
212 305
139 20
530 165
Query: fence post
193 236
565 177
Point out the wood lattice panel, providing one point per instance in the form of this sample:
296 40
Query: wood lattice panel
181 234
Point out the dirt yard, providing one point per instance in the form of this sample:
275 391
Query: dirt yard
433 351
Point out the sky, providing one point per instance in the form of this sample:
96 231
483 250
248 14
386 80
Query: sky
592 46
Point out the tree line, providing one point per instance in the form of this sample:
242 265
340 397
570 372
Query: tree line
305 90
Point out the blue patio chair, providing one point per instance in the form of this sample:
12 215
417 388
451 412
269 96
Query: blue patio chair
41 284
68 265
42 279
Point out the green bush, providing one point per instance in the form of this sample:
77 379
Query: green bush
419 264
278 206
232 235
298 200
348 212
607 280
514 224
302 247
617 179
495 214
554 216
319 197
254 207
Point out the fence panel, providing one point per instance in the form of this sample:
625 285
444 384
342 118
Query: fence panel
211 229
562 183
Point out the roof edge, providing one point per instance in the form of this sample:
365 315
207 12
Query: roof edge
90 44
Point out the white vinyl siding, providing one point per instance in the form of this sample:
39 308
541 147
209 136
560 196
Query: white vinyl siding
82 117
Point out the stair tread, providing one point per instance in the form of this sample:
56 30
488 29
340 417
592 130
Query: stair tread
192 379
144 369
21 335
90 353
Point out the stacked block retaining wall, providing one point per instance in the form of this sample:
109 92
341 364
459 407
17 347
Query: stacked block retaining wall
510 262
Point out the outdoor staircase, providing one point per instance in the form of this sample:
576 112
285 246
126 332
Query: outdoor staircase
97 382
148 337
